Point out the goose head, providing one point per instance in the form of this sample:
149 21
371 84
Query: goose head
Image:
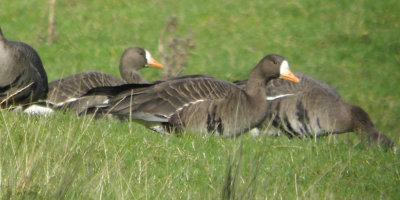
274 66
134 59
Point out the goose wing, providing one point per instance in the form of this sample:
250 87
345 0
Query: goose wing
34 58
160 100
278 87
76 85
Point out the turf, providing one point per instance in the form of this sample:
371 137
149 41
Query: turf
352 45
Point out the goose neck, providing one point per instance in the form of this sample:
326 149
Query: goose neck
256 84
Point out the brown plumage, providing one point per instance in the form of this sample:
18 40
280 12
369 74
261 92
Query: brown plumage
314 108
66 92
199 103
22 76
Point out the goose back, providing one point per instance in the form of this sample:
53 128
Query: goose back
69 89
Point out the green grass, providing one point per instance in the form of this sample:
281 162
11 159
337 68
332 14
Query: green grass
352 45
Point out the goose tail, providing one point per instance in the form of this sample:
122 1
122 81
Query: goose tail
366 130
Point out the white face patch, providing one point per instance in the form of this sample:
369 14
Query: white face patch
284 68
148 56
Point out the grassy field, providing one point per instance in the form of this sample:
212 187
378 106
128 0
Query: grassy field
352 45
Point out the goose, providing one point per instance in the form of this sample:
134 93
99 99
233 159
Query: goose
66 92
312 108
198 103
22 76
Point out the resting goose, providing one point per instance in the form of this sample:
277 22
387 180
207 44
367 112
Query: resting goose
199 103
22 76
314 108
66 92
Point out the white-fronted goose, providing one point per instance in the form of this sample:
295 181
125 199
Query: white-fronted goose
22 76
65 92
313 108
199 103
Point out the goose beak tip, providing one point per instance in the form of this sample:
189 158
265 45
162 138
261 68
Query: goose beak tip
290 77
155 63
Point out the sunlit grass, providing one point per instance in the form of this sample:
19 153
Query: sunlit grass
82 158
353 46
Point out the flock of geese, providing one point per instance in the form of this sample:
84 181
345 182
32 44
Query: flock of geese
272 96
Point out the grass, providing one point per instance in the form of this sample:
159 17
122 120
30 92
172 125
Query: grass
354 46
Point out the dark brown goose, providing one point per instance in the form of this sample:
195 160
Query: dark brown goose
199 103
22 76
312 108
65 92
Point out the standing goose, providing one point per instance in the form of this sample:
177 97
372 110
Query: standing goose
66 92
22 76
314 108
199 103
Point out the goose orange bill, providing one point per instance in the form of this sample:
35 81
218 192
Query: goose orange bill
155 63
288 75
